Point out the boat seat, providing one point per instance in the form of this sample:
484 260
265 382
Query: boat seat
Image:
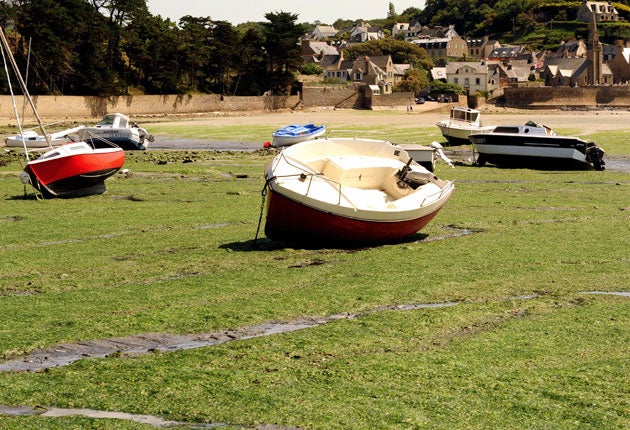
359 172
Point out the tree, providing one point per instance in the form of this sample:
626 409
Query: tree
251 75
311 69
283 53
401 52
67 38
150 43
391 14
414 81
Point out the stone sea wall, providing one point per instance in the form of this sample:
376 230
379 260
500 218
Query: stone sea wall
86 107
617 97
69 107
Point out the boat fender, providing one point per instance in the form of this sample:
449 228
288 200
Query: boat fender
25 178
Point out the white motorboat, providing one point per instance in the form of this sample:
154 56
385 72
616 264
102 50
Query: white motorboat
461 123
119 130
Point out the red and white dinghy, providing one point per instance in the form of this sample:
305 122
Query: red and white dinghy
341 191
73 169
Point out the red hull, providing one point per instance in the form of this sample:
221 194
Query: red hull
292 221
75 173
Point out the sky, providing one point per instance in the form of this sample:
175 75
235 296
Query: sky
239 11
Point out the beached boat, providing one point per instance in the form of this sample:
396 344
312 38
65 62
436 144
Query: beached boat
344 191
67 170
73 169
119 130
31 139
461 123
294 133
535 145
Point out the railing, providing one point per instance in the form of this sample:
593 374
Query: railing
308 171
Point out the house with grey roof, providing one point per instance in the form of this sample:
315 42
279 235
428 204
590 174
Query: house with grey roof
314 51
571 72
364 32
443 47
375 71
603 10
506 53
321 32
570 49
473 76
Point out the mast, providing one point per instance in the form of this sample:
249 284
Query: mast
18 75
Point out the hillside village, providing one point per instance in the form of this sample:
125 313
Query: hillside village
477 65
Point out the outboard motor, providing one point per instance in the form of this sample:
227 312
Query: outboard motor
595 156
410 178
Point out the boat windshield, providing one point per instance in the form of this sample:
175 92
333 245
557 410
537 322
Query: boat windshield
464 115
113 120
108 120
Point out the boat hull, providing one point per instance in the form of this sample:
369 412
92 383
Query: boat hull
292 221
551 151
61 174
119 137
31 143
459 135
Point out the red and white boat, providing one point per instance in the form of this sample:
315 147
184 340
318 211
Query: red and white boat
344 191
69 169
72 170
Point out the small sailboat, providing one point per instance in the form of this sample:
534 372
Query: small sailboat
65 170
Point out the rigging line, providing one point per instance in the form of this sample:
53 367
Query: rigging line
16 70
17 116
28 65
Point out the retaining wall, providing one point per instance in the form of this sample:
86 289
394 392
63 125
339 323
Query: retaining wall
86 107
563 97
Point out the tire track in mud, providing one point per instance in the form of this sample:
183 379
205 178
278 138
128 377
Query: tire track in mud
145 343
65 354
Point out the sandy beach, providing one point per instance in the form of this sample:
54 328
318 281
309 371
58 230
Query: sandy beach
422 115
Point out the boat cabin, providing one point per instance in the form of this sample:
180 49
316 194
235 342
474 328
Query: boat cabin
114 120
465 115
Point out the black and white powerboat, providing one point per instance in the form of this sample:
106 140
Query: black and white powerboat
535 145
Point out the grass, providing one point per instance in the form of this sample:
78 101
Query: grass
169 248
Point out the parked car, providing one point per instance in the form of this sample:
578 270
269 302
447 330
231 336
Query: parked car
419 100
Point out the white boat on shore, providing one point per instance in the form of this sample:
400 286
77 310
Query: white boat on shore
535 145
461 123
295 133
345 191
119 130
32 140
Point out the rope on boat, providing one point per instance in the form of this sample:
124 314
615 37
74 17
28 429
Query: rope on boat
263 194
